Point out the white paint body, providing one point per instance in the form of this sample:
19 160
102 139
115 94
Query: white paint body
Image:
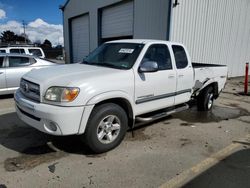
98 84
24 50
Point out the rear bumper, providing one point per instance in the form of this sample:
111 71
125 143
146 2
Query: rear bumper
55 120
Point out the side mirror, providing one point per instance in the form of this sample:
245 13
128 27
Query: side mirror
148 66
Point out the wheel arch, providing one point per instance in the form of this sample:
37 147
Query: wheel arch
214 85
119 98
125 104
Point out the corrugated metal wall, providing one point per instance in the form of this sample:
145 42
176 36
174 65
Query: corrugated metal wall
214 31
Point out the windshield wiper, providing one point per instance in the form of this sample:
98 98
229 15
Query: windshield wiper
103 65
113 66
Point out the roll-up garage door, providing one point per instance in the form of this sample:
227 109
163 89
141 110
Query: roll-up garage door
117 21
80 37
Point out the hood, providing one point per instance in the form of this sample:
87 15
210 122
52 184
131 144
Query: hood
65 74
92 80
73 75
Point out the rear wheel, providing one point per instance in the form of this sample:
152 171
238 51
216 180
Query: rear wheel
205 99
106 128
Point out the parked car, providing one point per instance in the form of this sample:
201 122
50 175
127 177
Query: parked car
14 66
60 57
120 83
29 50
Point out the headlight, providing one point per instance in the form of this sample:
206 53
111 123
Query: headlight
62 94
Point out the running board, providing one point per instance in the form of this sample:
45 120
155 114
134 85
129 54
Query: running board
162 114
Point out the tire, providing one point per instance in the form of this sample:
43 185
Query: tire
106 128
205 99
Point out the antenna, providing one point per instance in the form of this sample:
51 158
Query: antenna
24 30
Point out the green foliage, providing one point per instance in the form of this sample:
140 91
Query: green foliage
10 37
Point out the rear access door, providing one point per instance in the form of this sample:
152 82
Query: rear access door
185 74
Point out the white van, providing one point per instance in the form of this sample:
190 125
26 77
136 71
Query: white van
35 51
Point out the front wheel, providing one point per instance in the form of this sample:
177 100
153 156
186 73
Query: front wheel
205 99
106 128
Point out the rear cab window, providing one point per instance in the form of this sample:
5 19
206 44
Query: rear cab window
2 51
18 61
180 57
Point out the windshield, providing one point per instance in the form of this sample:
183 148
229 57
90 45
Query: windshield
115 55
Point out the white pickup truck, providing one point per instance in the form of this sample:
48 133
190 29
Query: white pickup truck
118 84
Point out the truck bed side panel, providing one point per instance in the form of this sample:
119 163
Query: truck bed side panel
205 74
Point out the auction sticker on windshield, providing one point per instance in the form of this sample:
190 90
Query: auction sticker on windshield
126 50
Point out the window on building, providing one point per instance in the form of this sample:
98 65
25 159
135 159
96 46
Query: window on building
160 54
18 61
180 57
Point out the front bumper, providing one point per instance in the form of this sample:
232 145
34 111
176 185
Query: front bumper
55 120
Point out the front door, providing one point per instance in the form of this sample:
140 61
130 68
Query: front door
155 90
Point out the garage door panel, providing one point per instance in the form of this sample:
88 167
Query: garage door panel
117 20
80 38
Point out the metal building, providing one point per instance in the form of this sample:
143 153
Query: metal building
216 32
88 23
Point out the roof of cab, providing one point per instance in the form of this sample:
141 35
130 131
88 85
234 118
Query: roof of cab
17 55
144 41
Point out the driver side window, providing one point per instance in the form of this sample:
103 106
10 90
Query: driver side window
160 54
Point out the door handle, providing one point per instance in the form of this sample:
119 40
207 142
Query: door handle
171 76
1 72
181 75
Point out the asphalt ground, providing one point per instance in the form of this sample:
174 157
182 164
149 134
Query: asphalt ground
188 149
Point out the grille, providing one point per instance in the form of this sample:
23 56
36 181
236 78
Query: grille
30 90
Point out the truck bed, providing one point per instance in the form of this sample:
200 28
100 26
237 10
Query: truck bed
206 73
201 65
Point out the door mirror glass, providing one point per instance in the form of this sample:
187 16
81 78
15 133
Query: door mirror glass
148 66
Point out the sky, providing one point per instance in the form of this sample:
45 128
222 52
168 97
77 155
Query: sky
43 19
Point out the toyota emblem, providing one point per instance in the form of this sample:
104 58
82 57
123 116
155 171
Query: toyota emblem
26 87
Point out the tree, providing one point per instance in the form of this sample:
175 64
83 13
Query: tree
46 44
8 36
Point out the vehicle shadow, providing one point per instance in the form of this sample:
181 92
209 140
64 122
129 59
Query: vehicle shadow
9 96
17 136
231 172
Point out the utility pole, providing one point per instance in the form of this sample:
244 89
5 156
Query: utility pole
24 30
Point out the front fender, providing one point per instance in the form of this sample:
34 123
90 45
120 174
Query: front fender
92 101
109 95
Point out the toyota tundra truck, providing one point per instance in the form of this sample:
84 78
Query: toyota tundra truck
118 85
